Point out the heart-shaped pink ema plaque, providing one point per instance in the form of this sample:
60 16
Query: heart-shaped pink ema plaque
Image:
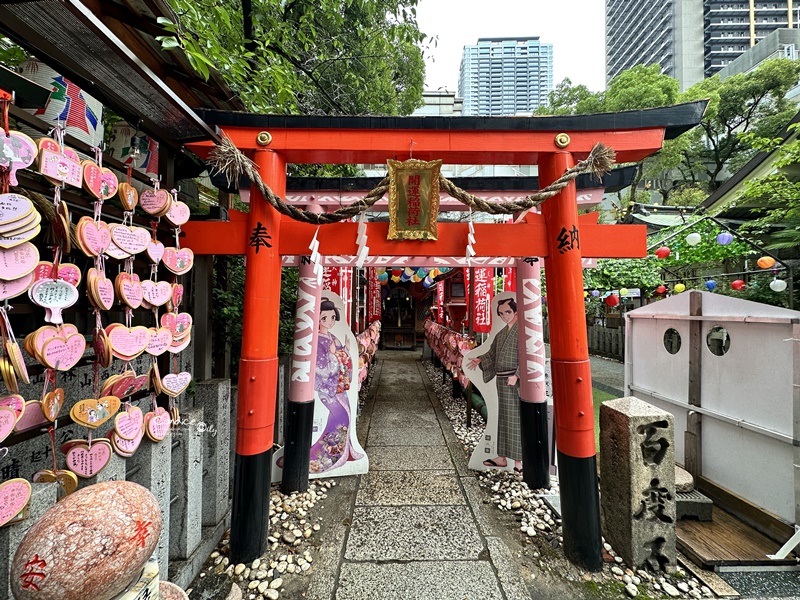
66 272
178 261
17 151
178 214
156 293
177 294
15 287
105 292
18 261
157 424
14 208
87 462
128 424
15 402
8 418
127 386
175 383
63 354
155 202
178 324
131 293
95 237
32 417
132 240
155 250
92 178
128 343
160 339
14 496
125 447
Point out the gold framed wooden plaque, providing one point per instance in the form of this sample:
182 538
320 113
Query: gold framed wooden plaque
413 199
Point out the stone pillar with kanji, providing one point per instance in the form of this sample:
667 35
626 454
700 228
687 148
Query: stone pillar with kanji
637 482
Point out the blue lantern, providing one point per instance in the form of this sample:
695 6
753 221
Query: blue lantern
711 285
724 238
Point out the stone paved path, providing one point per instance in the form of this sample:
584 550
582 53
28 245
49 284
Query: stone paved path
416 527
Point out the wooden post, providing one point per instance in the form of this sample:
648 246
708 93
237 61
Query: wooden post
258 367
693 441
571 370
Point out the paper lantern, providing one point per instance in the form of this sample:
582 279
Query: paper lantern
409 271
396 278
678 288
383 277
765 262
612 300
427 282
693 239
416 278
380 270
663 252
595 293
724 238
397 272
661 289
421 272
711 285
777 285
585 293
623 291
738 285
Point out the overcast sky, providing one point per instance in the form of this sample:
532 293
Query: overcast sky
576 28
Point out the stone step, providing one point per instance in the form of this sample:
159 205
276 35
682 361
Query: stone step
692 505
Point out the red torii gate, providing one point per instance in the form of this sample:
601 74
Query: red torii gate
554 143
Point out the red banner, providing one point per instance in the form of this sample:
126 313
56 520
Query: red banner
374 309
484 292
330 280
509 279
440 302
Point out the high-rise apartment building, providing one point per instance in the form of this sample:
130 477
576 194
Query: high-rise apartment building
505 76
690 39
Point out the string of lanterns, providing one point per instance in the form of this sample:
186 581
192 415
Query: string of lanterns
397 274
723 239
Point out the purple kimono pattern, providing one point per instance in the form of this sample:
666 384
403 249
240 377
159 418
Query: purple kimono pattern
334 368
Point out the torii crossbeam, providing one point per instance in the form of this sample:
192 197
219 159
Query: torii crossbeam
554 143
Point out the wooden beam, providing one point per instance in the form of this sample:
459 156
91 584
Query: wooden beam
374 146
523 239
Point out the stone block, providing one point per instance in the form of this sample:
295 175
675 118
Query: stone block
693 505
151 466
214 397
43 496
186 505
684 482
637 458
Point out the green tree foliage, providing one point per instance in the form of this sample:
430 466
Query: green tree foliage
746 103
326 56
776 196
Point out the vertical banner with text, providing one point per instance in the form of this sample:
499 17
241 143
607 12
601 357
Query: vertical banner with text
484 292
374 311
330 280
440 302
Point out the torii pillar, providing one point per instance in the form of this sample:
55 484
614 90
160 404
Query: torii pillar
570 370
258 367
